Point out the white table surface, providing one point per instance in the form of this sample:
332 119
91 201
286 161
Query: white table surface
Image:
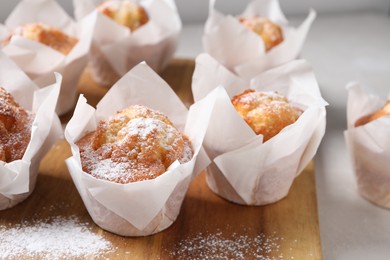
341 48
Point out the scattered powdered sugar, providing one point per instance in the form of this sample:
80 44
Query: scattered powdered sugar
54 238
217 246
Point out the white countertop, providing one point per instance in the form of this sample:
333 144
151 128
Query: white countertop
341 48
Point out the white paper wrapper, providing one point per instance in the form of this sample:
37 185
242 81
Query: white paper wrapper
40 61
145 207
369 146
116 49
242 51
17 178
245 170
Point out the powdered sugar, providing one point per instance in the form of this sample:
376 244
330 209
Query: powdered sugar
138 147
15 128
53 238
251 97
120 172
235 246
145 128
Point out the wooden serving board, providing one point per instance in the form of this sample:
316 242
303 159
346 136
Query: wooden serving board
288 229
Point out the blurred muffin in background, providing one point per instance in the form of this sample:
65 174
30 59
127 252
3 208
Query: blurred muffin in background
45 34
126 13
270 32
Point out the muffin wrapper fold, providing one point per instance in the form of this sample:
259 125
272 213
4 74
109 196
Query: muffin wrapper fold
17 178
244 169
116 49
224 36
39 61
144 207
369 146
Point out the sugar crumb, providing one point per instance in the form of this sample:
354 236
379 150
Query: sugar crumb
54 238
219 246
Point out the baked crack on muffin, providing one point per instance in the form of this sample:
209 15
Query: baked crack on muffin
126 13
266 112
135 144
270 32
15 128
45 34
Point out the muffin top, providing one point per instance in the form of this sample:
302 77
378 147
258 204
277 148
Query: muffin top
384 111
267 113
270 32
15 128
126 13
135 144
45 34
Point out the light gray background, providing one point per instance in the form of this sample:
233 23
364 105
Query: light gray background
194 11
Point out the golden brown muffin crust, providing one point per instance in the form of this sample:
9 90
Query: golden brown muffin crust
126 13
267 113
45 34
135 144
270 32
384 111
15 128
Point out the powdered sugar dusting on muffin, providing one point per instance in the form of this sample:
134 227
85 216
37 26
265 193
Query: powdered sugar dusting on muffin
267 113
142 144
15 128
251 97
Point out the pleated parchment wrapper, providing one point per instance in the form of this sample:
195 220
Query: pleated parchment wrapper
369 146
145 207
116 49
17 178
244 169
243 51
39 61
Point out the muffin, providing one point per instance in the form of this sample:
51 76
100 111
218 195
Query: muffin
384 111
249 170
45 34
270 32
29 127
368 143
42 38
151 163
267 113
128 32
261 33
126 13
135 144
15 128
284 105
